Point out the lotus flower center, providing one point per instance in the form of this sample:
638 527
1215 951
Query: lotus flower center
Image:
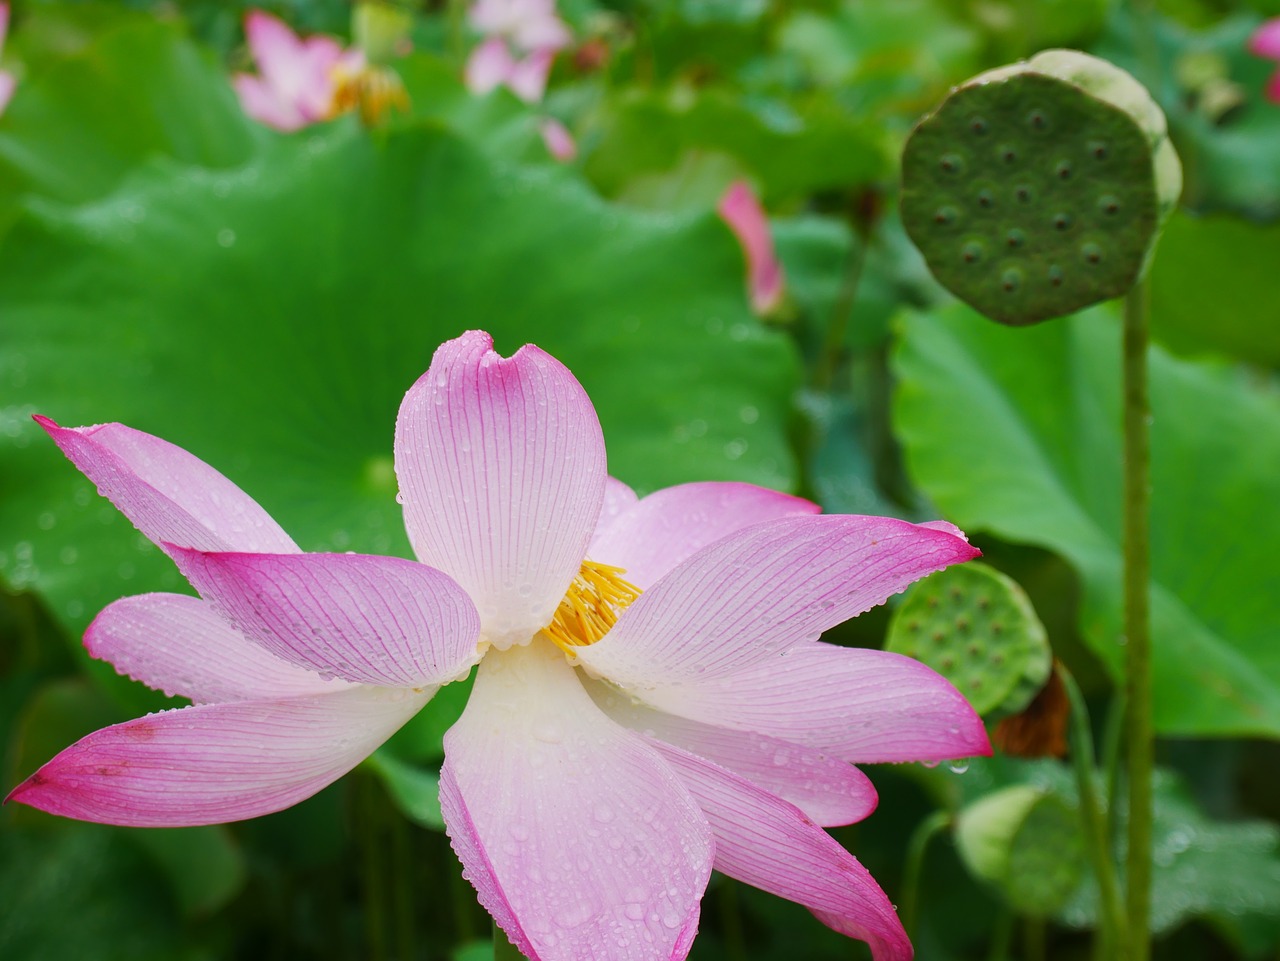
372 90
591 606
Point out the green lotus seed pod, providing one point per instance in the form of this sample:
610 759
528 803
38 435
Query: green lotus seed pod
1039 188
1025 842
977 628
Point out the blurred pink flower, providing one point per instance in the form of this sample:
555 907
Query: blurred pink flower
1265 42
492 65
297 78
526 24
624 735
559 142
521 40
7 80
742 212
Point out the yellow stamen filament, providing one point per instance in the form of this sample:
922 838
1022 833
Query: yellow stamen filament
591 606
374 90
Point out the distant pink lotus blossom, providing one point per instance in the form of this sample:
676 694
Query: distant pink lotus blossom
297 79
1265 42
742 212
559 142
652 699
526 24
492 65
7 80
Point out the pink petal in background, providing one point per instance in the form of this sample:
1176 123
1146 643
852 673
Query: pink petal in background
741 210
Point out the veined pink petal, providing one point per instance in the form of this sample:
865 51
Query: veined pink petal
830 791
578 838
861 705
770 844
528 78
1265 41
264 104
673 524
170 495
749 596
181 645
214 763
744 215
363 618
502 471
8 83
618 499
489 65
559 142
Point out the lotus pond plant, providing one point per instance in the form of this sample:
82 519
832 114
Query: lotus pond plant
652 698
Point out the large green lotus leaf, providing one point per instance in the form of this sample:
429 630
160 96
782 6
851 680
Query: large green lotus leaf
1235 314
138 90
1016 432
789 149
270 320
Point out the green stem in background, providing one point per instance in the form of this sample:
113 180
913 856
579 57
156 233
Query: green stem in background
1002 936
1137 577
914 869
376 897
1112 744
735 942
1097 841
1033 939
824 374
504 950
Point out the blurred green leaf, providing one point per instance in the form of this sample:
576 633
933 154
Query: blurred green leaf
1228 161
1213 287
270 319
1017 432
139 90
788 148
205 867
1226 871
87 893
414 790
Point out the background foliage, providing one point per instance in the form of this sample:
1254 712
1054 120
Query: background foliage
264 300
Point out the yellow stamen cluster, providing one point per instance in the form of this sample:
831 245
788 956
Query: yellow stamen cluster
373 90
591 606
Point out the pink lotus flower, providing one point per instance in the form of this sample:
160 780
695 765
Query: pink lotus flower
7 80
526 24
746 218
299 78
637 718
1265 42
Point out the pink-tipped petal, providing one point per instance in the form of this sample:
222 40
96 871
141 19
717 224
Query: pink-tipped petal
770 844
489 66
170 495
1265 41
262 103
557 139
363 618
181 645
528 79
860 705
8 83
749 596
830 791
578 838
502 471
742 212
214 763
280 53
618 499
671 525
